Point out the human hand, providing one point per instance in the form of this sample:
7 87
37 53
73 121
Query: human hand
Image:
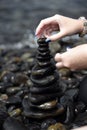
81 128
75 58
63 25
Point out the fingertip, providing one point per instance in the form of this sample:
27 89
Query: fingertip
58 57
36 32
59 65
40 28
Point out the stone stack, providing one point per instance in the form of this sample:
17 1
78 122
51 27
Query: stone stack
43 99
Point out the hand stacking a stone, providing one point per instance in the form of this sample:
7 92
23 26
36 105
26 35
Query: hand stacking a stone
76 57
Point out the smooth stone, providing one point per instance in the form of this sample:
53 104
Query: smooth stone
3 116
83 90
38 114
13 124
48 105
13 100
47 122
55 47
39 99
57 126
26 56
49 88
38 71
45 49
11 67
13 90
64 72
41 41
15 112
44 64
45 106
44 81
44 54
4 86
3 97
19 78
43 59
30 60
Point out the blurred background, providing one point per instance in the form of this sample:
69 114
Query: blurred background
19 18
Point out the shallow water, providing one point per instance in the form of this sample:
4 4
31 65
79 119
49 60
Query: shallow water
19 18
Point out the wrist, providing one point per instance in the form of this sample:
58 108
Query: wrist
83 26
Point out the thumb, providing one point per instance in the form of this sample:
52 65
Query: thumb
56 36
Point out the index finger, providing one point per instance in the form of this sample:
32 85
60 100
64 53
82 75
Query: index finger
43 24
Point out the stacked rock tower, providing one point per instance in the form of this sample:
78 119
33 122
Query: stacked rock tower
43 97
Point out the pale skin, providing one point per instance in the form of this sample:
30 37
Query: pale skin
81 128
75 58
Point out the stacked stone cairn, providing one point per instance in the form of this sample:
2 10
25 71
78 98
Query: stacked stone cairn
43 98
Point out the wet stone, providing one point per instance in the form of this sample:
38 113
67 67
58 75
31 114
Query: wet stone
3 116
13 124
57 126
11 67
13 100
15 112
46 123
3 97
4 86
13 90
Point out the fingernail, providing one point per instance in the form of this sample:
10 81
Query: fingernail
35 34
47 40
